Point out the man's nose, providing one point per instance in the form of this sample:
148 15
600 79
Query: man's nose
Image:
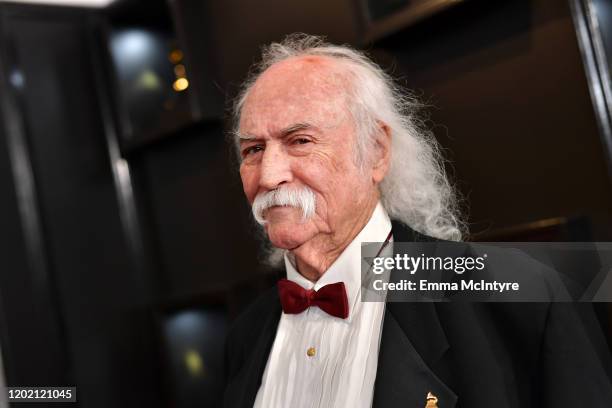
275 168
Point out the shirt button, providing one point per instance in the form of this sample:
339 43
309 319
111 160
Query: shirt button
311 352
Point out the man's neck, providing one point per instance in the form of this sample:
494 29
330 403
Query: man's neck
315 257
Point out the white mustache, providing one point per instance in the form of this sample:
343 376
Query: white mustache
301 197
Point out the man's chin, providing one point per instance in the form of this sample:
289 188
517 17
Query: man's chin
289 235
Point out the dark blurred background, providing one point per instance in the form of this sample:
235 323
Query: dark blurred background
127 246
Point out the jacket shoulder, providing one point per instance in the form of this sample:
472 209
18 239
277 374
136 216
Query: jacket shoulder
404 233
250 318
247 326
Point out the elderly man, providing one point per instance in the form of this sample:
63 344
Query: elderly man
331 156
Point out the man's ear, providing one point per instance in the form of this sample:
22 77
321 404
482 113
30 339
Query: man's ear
382 152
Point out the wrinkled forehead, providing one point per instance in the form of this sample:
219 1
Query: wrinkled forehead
308 89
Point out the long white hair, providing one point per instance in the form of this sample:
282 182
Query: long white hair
416 190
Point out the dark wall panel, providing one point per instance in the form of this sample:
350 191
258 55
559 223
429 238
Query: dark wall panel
105 306
32 343
511 104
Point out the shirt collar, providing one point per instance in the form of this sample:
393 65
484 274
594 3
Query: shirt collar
347 268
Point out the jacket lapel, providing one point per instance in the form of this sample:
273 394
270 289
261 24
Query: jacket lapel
412 342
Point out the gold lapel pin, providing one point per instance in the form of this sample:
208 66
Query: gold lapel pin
432 401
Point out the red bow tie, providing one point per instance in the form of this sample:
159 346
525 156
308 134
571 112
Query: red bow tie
330 298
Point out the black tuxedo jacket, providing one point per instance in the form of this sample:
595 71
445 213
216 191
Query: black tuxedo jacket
467 354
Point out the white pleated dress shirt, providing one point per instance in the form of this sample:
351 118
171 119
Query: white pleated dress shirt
318 360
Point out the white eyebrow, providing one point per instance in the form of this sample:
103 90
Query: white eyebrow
283 133
242 137
295 128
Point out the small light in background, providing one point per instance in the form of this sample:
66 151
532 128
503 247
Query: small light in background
148 80
193 362
175 56
179 71
180 84
16 79
134 48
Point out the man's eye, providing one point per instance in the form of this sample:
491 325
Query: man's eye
252 150
301 140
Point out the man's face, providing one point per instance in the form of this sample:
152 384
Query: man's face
296 131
